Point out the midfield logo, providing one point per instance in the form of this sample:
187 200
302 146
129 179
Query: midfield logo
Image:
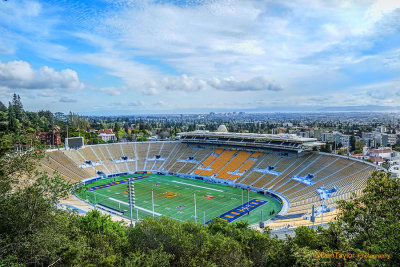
168 194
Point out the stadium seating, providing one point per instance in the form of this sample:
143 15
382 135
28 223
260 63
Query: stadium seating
234 164
122 166
166 149
154 149
115 150
202 153
75 156
100 153
88 154
91 171
59 157
141 150
219 162
176 152
263 170
251 178
132 166
128 150
55 161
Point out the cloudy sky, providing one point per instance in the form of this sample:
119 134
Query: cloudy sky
111 56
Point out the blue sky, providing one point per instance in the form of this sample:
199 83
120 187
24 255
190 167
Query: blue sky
127 56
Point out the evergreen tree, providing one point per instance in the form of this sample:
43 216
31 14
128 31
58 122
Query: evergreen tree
352 143
3 108
116 127
12 120
17 106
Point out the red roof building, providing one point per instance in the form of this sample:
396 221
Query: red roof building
106 135
52 138
106 131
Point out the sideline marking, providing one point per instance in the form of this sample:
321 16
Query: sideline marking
198 186
137 207
93 188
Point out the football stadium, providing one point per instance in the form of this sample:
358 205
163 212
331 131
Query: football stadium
280 180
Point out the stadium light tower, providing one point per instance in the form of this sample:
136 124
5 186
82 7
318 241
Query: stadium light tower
94 195
131 196
152 200
242 198
248 200
195 208
322 212
312 215
261 220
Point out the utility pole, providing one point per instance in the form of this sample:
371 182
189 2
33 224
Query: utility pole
242 198
322 213
195 208
248 199
352 191
262 220
312 215
152 200
66 140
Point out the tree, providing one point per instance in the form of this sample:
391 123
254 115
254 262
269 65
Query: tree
116 127
32 230
352 143
359 144
372 220
12 120
107 239
342 151
326 148
189 243
17 105
3 108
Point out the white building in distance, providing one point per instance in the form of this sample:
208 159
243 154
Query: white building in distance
106 135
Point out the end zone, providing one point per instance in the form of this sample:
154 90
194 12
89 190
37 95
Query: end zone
241 210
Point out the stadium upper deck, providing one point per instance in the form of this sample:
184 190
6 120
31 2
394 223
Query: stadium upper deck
287 142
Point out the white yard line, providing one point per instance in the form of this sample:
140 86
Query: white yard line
137 207
199 186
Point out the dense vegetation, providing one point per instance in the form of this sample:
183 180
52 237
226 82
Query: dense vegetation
35 232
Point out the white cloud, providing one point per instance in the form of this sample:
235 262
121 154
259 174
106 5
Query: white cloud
183 83
67 100
191 84
20 75
179 83
379 9
150 89
254 84
112 91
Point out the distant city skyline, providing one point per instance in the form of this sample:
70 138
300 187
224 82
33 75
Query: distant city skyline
137 57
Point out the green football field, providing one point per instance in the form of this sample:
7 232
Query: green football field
174 198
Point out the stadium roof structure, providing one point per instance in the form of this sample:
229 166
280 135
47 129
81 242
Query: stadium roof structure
288 142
